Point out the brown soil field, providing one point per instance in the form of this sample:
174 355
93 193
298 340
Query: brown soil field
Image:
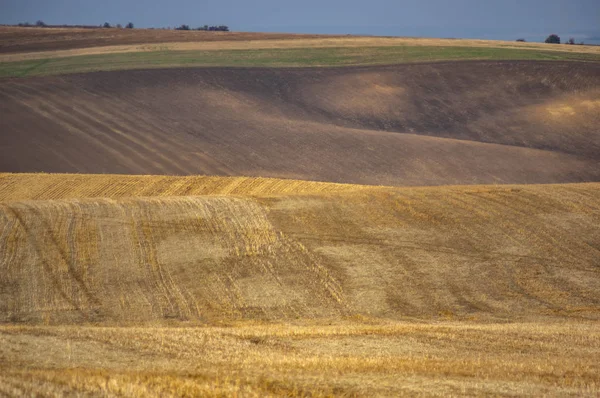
419 124
265 287
17 39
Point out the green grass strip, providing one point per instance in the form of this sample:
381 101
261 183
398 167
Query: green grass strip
293 57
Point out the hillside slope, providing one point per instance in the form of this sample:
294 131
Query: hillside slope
514 252
428 124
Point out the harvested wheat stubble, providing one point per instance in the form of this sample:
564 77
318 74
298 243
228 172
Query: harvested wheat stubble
32 186
271 249
266 287
362 358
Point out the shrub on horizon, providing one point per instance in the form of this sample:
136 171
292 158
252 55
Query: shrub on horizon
553 39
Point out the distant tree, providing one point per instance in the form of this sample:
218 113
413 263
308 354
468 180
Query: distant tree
106 25
205 27
183 27
129 25
119 26
571 41
40 23
554 39
220 28
521 40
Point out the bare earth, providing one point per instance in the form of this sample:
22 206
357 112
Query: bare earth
427 124
17 39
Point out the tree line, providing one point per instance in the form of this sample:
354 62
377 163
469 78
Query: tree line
220 28
107 25
42 24
555 39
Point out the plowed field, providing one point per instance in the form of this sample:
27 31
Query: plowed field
429 124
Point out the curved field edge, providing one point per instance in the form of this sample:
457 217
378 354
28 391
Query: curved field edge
279 57
16 187
42 186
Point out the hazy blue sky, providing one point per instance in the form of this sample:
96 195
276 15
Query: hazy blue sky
506 19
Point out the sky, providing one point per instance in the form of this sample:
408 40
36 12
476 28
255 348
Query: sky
532 20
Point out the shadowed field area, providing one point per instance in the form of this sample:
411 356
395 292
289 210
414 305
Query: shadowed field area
427 124
264 286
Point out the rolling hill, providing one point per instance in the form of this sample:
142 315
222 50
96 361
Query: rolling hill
426 124
267 250
116 285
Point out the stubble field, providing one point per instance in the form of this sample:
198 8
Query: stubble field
267 287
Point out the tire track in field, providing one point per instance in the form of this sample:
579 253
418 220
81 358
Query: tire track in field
533 278
49 269
75 131
122 142
76 124
144 235
131 134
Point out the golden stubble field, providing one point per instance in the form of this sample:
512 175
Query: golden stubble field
357 357
116 285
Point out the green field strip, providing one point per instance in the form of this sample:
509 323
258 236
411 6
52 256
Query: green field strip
293 57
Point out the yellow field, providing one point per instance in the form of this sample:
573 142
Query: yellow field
157 286
355 358
26 186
